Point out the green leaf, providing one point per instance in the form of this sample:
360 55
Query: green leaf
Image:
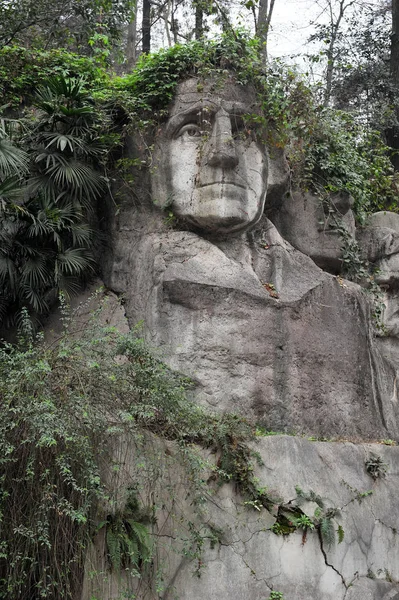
341 534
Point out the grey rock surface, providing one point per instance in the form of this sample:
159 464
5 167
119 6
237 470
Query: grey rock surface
365 562
310 225
379 241
241 292
249 560
260 329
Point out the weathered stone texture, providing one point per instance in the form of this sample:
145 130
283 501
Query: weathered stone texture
249 560
257 561
261 330
243 294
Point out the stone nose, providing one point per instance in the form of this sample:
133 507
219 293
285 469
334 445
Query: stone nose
221 151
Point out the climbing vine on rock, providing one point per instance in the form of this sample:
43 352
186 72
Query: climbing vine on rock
63 409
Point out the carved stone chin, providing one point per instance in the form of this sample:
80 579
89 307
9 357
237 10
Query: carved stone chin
207 164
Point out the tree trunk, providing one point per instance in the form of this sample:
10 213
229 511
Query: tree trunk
263 24
223 16
131 43
166 17
146 26
199 20
331 53
395 44
392 133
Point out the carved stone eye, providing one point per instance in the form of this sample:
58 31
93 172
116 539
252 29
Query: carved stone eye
191 130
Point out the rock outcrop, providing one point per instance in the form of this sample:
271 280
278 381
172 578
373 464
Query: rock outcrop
244 296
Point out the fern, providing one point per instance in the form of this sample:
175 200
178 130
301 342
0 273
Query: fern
340 533
141 534
327 531
128 539
310 496
113 548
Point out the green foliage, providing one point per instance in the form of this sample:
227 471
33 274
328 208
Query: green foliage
12 159
284 524
357 494
23 70
276 596
310 496
362 83
282 96
340 534
129 544
343 156
56 436
327 531
45 212
62 23
291 517
303 522
328 150
67 143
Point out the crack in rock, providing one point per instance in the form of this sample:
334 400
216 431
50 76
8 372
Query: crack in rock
330 565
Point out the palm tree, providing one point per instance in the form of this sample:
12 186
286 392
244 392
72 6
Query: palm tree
46 198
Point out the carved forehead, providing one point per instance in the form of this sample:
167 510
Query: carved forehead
229 94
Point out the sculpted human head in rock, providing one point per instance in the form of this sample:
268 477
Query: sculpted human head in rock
208 165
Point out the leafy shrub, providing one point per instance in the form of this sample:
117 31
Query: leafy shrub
23 70
129 545
375 466
343 156
281 93
276 596
328 150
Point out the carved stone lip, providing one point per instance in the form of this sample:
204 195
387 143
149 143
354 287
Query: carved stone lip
223 183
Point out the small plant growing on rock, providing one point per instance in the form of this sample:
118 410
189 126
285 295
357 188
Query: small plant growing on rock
303 522
127 537
375 466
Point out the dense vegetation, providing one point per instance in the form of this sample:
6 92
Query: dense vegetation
63 117
64 410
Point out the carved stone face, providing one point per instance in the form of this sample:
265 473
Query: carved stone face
208 167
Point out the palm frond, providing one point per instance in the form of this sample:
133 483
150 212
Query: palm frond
35 272
13 160
34 298
69 286
80 178
8 273
11 188
62 141
82 234
76 111
74 261
52 158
